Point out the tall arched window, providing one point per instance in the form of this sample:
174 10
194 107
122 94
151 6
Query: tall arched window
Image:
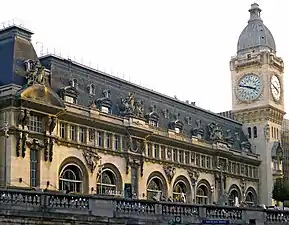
250 200
180 191
255 132
154 189
71 179
106 184
249 132
234 198
202 195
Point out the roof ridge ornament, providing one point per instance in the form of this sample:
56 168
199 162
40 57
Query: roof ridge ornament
255 12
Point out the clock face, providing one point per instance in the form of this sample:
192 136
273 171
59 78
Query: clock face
249 87
275 88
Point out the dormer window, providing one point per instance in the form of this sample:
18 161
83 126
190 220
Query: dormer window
177 126
91 89
153 117
69 93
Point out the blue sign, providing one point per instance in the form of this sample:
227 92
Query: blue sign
215 222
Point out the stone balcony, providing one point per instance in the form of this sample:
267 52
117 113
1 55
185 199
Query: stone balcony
18 206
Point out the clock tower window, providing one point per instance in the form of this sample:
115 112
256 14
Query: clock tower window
249 132
255 132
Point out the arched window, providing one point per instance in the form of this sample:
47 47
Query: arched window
249 132
202 195
255 132
154 189
180 191
250 200
71 179
106 184
234 198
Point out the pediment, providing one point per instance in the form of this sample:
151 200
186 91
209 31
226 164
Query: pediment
41 94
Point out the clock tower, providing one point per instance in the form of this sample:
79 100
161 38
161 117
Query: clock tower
257 95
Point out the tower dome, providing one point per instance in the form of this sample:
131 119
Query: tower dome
255 35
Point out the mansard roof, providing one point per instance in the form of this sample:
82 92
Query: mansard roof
126 98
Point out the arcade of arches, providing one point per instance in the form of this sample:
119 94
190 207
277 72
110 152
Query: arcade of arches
73 177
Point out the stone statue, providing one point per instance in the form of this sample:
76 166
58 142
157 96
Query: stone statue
194 175
198 131
170 172
35 72
267 132
215 132
129 107
229 138
23 118
91 159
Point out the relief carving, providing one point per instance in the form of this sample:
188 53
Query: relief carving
198 131
246 146
51 123
267 132
23 118
35 73
91 159
52 141
35 144
215 132
194 176
24 143
243 186
170 172
134 162
130 107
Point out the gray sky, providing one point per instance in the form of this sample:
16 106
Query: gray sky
176 47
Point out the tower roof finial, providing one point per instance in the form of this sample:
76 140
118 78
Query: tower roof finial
255 12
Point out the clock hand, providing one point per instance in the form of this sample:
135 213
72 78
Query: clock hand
275 88
246 86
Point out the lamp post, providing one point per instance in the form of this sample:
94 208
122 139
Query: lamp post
5 129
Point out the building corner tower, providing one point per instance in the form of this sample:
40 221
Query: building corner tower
257 97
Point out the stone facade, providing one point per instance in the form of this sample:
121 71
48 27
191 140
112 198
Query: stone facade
69 128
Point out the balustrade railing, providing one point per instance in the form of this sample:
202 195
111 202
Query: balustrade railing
39 201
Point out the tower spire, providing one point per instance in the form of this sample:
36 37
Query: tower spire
255 12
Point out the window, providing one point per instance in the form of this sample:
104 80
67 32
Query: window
91 134
70 99
181 156
230 167
108 140
153 123
202 195
193 158
187 157
62 130
35 123
100 139
255 131
106 184
198 160
234 198
34 168
249 132
179 192
81 134
116 142
72 132
163 152
175 155
203 161
208 162
71 179
156 151
154 189
150 153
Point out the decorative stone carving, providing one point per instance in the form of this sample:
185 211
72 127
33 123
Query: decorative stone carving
134 162
104 101
46 152
229 138
91 159
194 176
18 143
23 118
170 172
267 132
35 73
215 132
51 123
198 131
130 107
243 186
52 141
35 144
237 136
176 124
246 146
169 153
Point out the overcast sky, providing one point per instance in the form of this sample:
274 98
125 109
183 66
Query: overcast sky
177 47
